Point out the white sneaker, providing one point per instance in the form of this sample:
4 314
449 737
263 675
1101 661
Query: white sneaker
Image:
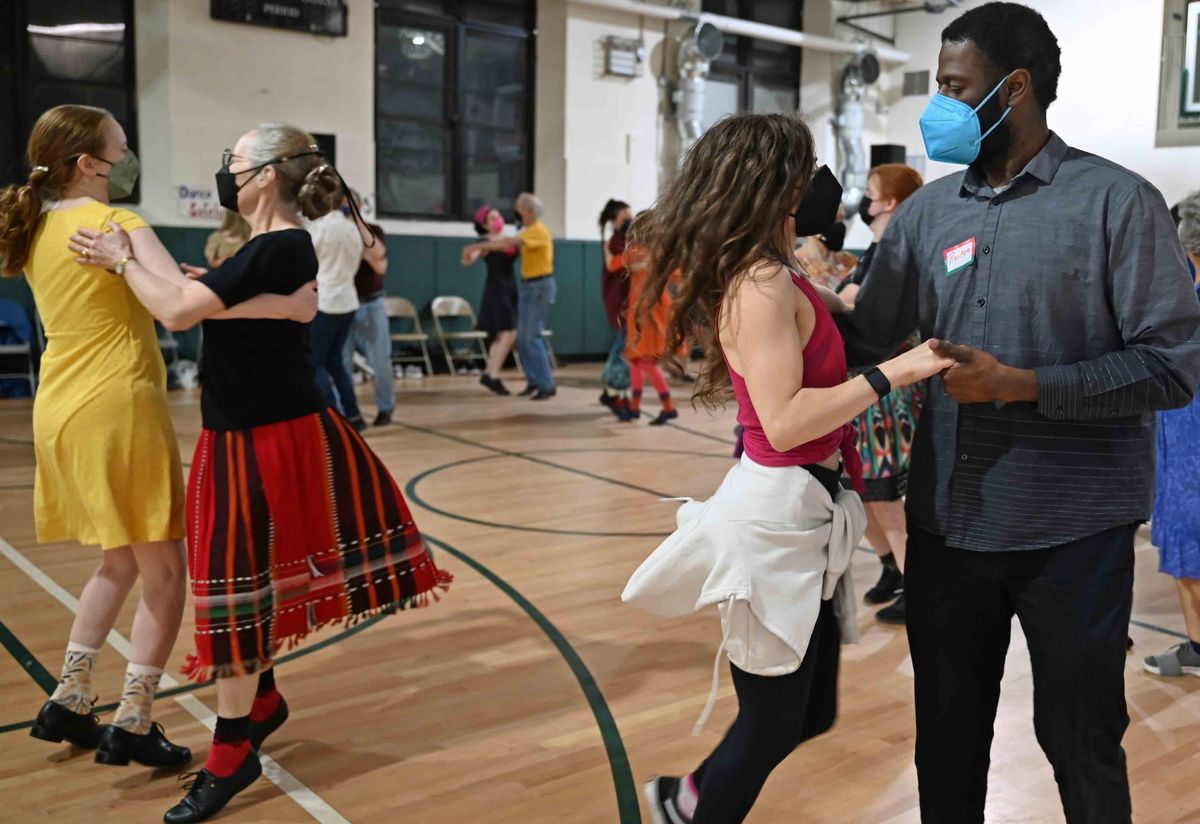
413 373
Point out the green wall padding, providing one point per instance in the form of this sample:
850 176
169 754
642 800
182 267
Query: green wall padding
421 268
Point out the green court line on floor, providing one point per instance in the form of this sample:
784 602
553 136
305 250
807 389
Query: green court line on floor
28 662
410 490
614 747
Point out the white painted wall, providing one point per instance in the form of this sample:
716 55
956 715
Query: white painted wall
1107 96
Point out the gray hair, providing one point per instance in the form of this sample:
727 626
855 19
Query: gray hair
1189 222
531 202
306 180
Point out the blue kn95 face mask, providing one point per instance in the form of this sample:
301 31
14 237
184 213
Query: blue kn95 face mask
951 128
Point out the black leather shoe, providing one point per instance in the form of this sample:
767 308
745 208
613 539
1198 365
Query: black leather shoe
260 731
208 795
118 747
544 394
894 615
527 391
55 722
382 419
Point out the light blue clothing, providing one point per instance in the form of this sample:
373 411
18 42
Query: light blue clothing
533 310
616 370
371 335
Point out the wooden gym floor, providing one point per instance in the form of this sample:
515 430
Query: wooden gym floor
530 693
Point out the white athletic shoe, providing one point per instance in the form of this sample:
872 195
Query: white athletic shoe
659 793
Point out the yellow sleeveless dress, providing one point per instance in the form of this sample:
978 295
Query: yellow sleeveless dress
108 469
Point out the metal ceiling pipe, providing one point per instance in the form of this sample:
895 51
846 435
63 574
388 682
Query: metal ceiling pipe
747 28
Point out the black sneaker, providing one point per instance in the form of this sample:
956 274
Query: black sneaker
608 400
889 587
118 747
893 615
358 423
544 394
527 391
55 722
660 793
663 417
260 730
208 795
382 419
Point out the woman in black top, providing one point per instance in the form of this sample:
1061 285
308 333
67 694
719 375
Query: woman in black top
294 523
498 306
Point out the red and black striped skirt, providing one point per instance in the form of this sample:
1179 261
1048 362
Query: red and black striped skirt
294 526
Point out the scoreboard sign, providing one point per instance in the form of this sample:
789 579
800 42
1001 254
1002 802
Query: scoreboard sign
326 17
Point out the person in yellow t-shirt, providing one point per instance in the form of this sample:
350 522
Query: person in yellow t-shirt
108 467
537 293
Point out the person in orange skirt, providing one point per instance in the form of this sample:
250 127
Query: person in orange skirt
647 338
294 523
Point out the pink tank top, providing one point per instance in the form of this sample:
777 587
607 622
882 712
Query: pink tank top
824 367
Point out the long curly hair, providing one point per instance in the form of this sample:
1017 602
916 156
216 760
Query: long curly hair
726 212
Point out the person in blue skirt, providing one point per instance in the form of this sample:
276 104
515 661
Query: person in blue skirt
1176 524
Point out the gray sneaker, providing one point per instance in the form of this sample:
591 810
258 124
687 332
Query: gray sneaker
1180 659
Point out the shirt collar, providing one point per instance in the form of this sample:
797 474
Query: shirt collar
1042 166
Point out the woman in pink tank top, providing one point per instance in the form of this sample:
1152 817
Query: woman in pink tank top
776 537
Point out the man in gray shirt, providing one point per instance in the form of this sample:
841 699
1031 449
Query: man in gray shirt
1060 280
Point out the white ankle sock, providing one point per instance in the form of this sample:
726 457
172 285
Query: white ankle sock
687 796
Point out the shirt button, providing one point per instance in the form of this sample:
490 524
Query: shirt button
1058 413
962 457
981 303
987 250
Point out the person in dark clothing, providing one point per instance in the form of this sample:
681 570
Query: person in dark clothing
498 306
1061 281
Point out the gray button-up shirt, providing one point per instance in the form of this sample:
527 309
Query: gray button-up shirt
1074 271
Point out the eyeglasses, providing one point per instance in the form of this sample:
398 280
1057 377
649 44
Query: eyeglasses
228 157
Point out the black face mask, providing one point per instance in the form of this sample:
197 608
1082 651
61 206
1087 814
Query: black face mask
227 185
864 211
818 209
835 237
624 227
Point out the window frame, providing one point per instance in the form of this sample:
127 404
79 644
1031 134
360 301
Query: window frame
453 120
742 71
21 61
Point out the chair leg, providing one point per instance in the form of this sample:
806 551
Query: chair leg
447 355
425 354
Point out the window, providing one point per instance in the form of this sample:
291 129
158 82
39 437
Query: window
765 76
453 105
68 51
1179 82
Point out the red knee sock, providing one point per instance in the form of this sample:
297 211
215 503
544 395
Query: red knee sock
635 401
230 746
668 405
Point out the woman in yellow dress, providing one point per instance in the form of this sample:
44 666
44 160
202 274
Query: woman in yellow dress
108 467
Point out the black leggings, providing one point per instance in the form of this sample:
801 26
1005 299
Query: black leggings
775 715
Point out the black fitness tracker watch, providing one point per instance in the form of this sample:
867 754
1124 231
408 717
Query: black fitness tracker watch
878 381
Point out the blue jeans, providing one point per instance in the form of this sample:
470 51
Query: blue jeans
329 333
616 370
533 310
372 336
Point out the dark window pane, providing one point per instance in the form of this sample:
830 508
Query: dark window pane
494 81
411 75
50 93
497 166
75 12
412 167
433 7
513 13
786 13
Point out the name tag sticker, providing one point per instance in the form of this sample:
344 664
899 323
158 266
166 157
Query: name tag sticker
959 257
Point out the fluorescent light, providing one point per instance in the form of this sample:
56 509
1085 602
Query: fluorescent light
71 29
418 40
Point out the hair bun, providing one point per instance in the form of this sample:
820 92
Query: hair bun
320 192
